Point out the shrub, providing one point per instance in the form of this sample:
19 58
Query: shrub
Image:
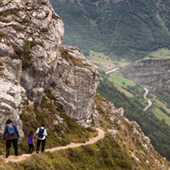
88 149
26 55
26 20
44 30
3 35
50 95
53 84
43 3
64 54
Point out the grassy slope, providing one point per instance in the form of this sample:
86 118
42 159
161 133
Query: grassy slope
160 54
157 111
105 154
118 82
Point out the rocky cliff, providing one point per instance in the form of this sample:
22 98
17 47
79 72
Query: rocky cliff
31 62
152 73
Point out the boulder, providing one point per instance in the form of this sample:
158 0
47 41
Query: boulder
96 118
113 132
133 156
112 119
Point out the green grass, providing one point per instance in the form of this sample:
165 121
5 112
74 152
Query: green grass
121 82
159 54
98 56
160 114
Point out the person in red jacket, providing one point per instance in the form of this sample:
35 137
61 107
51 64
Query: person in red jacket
11 134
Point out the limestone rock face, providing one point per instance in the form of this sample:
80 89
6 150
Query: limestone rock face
32 61
152 73
32 32
12 95
96 118
76 81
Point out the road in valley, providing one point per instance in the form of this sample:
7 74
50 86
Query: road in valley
145 94
149 101
110 71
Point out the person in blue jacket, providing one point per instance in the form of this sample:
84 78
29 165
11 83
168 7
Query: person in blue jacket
11 134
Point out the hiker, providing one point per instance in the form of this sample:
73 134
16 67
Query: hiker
42 133
30 141
11 135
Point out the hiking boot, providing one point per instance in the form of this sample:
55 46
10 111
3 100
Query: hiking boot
37 152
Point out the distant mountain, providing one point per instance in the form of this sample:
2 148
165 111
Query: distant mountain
123 28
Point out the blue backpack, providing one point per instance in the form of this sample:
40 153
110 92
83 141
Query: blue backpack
11 129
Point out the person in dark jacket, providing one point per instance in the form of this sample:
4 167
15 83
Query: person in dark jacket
42 133
11 134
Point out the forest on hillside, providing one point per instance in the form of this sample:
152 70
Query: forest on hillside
121 30
157 130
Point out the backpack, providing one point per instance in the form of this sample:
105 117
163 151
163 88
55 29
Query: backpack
41 133
11 129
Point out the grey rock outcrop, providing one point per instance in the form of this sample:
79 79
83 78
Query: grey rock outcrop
96 118
118 112
113 132
86 123
135 157
12 95
110 105
112 119
32 32
75 86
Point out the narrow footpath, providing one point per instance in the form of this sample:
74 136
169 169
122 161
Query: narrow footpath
101 135
149 101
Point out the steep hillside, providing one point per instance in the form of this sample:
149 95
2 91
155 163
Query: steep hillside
129 29
42 81
124 146
154 126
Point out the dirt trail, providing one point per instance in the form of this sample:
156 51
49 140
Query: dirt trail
101 134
